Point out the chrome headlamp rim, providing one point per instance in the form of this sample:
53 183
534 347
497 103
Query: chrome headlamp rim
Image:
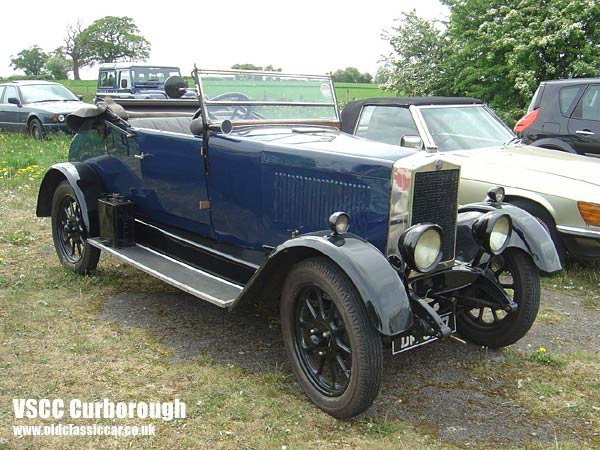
492 231
339 222
418 239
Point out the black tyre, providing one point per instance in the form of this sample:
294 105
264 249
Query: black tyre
546 219
334 349
69 232
495 328
35 128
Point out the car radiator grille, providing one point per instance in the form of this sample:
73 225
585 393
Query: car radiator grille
435 200
309 201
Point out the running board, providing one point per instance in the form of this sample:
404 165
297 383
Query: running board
194 281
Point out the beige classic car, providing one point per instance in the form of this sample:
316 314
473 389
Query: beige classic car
561 189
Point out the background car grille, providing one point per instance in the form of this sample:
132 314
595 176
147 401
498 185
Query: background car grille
435 200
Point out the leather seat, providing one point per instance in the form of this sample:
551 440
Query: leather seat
179 125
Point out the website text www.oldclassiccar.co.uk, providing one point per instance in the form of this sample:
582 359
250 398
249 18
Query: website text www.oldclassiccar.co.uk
76 409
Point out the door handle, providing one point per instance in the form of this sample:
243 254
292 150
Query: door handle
585 132
142 155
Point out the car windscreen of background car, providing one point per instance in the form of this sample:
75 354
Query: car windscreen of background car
269 96
35 93
152 75
464 127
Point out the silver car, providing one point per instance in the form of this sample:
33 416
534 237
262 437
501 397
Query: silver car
561 189
36 107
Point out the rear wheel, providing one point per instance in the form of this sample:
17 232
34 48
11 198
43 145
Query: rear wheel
334 349
69 232
494 327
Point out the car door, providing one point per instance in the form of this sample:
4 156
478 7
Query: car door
584 124
173 179
10 114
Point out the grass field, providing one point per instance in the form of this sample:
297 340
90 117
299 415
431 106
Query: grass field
54 344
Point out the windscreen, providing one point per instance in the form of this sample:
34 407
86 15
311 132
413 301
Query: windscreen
267 96
465 127
36 93
153 75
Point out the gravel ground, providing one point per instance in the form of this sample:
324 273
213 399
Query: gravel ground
429 387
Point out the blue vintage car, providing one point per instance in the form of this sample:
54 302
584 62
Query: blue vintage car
257 194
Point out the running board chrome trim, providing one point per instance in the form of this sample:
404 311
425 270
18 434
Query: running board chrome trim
194 281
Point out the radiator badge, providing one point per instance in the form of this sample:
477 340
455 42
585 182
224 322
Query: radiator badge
438 164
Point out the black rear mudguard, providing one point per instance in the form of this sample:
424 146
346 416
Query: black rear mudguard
528 235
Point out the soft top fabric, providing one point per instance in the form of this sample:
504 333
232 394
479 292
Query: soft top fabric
351 111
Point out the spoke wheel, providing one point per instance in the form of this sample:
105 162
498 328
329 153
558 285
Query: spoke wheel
493 327
323 343
69 232
334 349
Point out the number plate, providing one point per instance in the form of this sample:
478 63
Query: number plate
405 343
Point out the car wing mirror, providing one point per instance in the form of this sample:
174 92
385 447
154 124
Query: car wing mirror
412 142
80 97
14 101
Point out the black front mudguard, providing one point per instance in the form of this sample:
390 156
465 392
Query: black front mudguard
528 235
378 283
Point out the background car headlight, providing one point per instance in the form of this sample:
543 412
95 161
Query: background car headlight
492 231
421 246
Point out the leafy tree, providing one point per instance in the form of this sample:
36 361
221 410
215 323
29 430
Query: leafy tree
351 75
505 52
268 68
417 64
495 50
31 61
57 65
113 39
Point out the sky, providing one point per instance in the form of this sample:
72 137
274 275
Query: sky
308 36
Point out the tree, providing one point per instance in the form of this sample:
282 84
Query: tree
417 65
505 52
268 68
246 67
351 75
31 61
76 49
57 65
113 39
495 52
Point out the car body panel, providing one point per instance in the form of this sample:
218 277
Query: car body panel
555 180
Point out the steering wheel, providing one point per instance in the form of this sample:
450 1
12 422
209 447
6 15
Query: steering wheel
232 112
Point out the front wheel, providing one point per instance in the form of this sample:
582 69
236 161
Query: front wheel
492 327
69 232
334 349
35 128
